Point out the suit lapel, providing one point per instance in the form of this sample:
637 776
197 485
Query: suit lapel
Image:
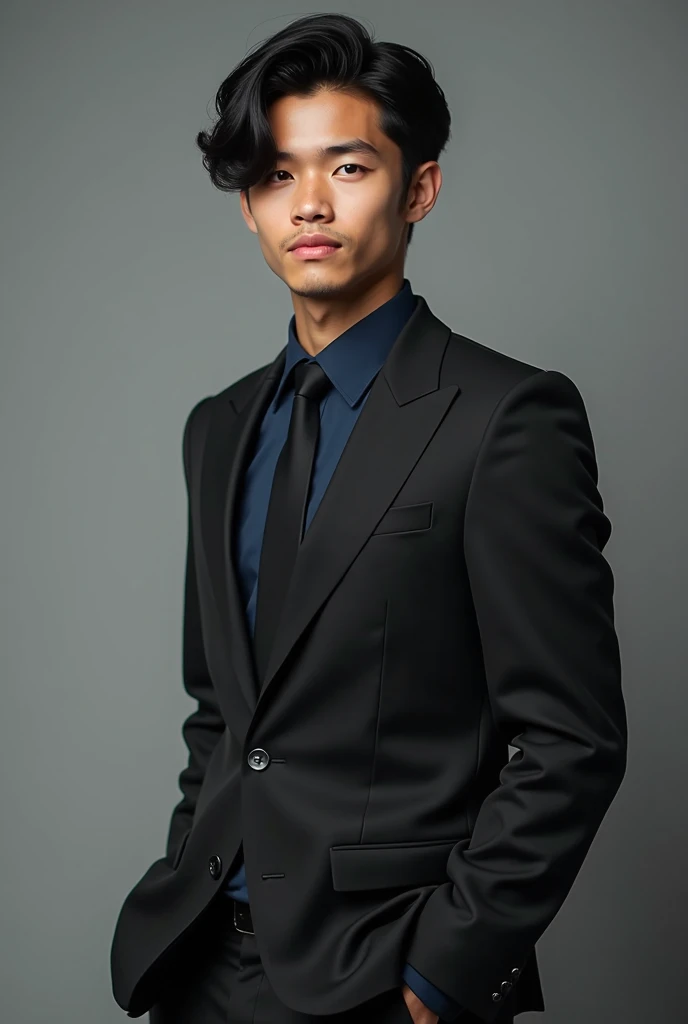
402 412
229 444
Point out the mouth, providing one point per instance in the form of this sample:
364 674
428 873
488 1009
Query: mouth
314 245
313 252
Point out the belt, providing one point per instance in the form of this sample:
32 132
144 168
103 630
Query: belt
242 917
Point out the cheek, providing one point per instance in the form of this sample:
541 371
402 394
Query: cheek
271 255
265 247
378 236
379 220
268 244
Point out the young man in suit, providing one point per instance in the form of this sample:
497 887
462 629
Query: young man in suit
394 571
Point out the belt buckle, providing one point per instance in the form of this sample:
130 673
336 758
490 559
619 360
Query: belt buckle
242 930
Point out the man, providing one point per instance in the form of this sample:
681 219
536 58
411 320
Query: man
394 571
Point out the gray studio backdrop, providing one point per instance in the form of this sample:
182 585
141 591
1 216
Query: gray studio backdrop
131 288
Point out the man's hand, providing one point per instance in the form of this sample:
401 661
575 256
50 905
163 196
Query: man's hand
418 1010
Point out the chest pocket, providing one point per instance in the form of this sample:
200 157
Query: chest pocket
406 518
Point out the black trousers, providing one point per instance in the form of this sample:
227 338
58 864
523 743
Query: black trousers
221 981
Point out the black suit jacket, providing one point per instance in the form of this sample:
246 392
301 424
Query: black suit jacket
450 597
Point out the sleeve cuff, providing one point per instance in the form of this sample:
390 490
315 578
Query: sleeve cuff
443 1005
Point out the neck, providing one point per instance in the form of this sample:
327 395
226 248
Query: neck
319 320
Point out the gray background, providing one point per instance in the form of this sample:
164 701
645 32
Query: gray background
131 288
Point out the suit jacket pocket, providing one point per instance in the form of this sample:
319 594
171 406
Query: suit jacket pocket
406 518
386 865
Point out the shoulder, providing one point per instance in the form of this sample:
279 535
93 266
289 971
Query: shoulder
234 395
492 377
231 398
479 368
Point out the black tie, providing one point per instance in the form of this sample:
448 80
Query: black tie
287 507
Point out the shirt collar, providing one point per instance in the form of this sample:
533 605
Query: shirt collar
353 358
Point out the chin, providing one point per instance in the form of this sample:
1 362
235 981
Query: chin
315 289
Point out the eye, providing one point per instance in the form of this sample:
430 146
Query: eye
282 171
358 166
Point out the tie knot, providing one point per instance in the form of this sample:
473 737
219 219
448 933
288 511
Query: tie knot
311 381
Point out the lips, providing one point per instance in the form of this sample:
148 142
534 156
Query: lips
313 241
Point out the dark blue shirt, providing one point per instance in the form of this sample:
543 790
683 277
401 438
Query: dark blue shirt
351 362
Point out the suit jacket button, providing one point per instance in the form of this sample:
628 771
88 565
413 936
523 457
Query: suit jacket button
259 759
496 996
516 974
215 866
506 988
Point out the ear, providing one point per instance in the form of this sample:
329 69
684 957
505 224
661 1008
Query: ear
424 190
246 210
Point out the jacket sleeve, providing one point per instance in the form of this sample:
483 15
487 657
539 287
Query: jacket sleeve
204 726
438 1002
534 531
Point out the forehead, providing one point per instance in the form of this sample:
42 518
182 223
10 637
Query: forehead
302 125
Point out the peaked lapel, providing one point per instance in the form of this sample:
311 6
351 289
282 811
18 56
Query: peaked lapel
402 412
228 449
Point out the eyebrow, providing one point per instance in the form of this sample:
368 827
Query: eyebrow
350 146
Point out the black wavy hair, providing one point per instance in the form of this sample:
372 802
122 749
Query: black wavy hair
323 50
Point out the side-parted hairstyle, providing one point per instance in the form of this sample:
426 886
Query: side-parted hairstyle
333 51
